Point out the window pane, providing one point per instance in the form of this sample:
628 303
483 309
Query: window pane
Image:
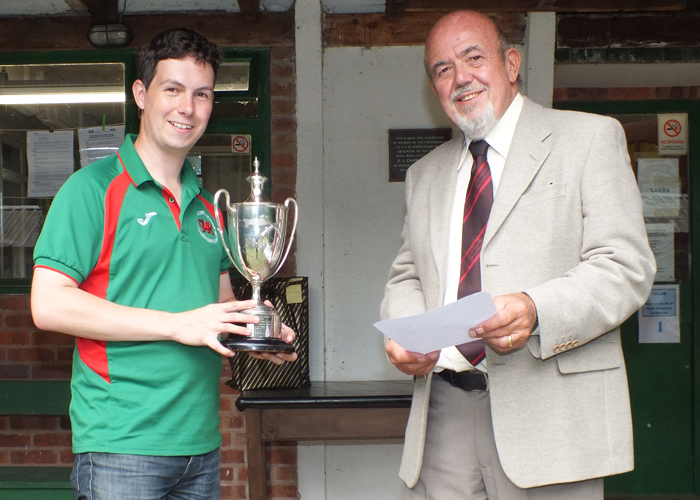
235 109
45 98
221 166
664 182
233 76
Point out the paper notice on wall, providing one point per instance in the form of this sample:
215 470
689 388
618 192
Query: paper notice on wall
659 186
673 134
661 243
659 318
97 142
50 161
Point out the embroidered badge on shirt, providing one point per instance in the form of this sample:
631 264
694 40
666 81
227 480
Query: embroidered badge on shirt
205 225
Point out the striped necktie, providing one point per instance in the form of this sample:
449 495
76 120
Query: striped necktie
477 207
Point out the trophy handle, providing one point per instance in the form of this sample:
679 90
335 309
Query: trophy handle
291 235
218 218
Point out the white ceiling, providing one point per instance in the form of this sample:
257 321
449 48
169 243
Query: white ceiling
46 7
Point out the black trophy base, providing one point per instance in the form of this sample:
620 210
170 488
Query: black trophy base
244 343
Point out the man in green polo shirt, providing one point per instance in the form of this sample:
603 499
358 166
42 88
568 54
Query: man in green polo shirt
128 264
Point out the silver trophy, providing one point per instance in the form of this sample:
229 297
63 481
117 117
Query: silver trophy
257 230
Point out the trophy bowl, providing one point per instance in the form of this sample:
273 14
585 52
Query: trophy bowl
257 230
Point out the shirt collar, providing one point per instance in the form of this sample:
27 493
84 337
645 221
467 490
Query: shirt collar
139 173
501 135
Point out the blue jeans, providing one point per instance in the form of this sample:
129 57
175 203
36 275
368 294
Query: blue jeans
108 476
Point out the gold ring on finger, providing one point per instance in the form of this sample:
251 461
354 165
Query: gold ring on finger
510 341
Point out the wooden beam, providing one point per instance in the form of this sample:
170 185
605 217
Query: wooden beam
394 9
627 30
103 10
367 30
546 5
70 32
250 8
618 5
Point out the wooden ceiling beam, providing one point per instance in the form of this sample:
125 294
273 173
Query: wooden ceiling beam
412 28
250 8
103 10
31 33
493 6
394 8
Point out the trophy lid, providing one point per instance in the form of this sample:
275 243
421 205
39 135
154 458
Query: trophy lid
256 179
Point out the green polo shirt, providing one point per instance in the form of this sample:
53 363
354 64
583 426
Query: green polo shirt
121 236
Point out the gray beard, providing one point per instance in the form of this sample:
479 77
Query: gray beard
478 128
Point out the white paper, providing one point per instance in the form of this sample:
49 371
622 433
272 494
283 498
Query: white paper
659 318
661 242
97 143
50 160
659 186
442 327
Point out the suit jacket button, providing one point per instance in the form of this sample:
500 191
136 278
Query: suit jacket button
568 345
574 343
556 348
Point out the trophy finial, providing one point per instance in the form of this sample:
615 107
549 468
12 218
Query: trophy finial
256 179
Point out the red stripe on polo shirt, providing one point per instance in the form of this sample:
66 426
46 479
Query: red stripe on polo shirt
94 352
126 172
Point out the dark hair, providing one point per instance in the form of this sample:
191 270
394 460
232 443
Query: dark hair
176 43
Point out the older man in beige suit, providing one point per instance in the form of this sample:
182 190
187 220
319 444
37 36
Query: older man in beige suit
562 248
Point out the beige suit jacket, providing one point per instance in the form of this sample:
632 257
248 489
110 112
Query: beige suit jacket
566 227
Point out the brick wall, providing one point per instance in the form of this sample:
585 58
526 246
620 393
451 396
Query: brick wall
283 156
27 353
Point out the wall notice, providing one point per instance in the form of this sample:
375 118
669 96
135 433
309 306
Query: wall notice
659 318
50 161
660 187
99 142
673 134
406 146
240 144
661 242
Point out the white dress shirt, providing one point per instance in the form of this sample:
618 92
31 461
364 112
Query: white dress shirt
499 140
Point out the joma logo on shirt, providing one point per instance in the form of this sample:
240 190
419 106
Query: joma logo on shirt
145 220
205 226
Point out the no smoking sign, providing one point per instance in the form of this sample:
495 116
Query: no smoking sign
672 128
240 144
673 134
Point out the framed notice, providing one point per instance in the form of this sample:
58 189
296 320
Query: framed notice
406 146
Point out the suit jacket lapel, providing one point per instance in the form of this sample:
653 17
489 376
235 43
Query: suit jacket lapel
442 188
526 155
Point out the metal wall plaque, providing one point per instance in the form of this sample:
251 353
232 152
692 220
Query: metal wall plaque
406 146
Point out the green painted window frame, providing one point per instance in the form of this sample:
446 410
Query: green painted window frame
259 90
690 298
